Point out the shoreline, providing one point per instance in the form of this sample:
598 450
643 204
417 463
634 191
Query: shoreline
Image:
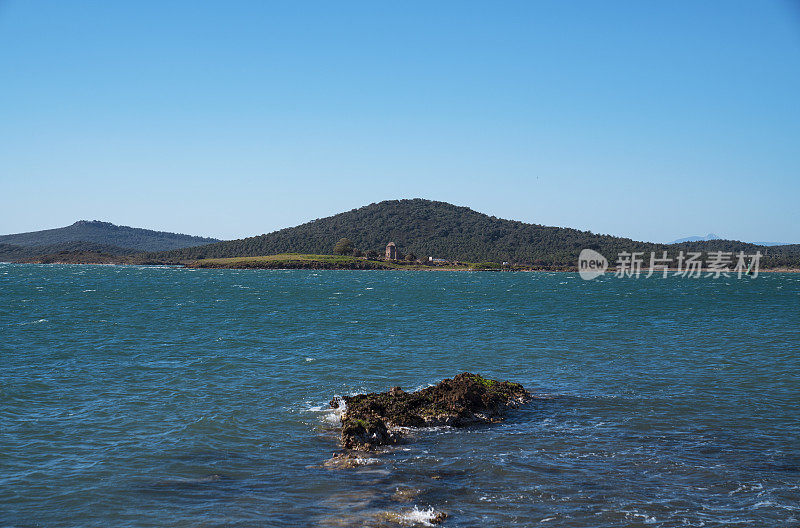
643 274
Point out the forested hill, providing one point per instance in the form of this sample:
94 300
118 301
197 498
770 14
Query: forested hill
439 229
133 239
13 253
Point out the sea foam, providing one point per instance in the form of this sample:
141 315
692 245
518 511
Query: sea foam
417 516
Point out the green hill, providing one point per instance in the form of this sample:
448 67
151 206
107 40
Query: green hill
95 233
442 230
14 253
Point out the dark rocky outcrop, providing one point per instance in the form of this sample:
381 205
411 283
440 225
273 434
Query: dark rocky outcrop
374 419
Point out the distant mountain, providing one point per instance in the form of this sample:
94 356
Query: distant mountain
93 233
14 253
442 230
710 236
774 243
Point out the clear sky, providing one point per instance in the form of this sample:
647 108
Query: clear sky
654 120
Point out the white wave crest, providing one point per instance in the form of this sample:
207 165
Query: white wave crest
417 516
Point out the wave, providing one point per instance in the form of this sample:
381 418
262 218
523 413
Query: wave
419 517
38 321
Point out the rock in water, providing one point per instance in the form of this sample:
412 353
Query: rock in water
371 420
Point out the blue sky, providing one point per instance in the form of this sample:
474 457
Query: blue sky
229 119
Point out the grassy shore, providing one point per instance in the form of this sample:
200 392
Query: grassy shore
303 261
331 262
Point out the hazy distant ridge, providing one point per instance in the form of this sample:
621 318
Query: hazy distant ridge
710 236
94 232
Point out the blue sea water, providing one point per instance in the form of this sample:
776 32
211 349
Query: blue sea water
169 397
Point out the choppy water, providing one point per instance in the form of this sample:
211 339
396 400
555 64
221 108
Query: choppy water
173 397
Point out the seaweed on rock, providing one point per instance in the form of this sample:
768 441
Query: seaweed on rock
372 420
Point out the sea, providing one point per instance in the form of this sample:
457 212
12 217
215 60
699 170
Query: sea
171 397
